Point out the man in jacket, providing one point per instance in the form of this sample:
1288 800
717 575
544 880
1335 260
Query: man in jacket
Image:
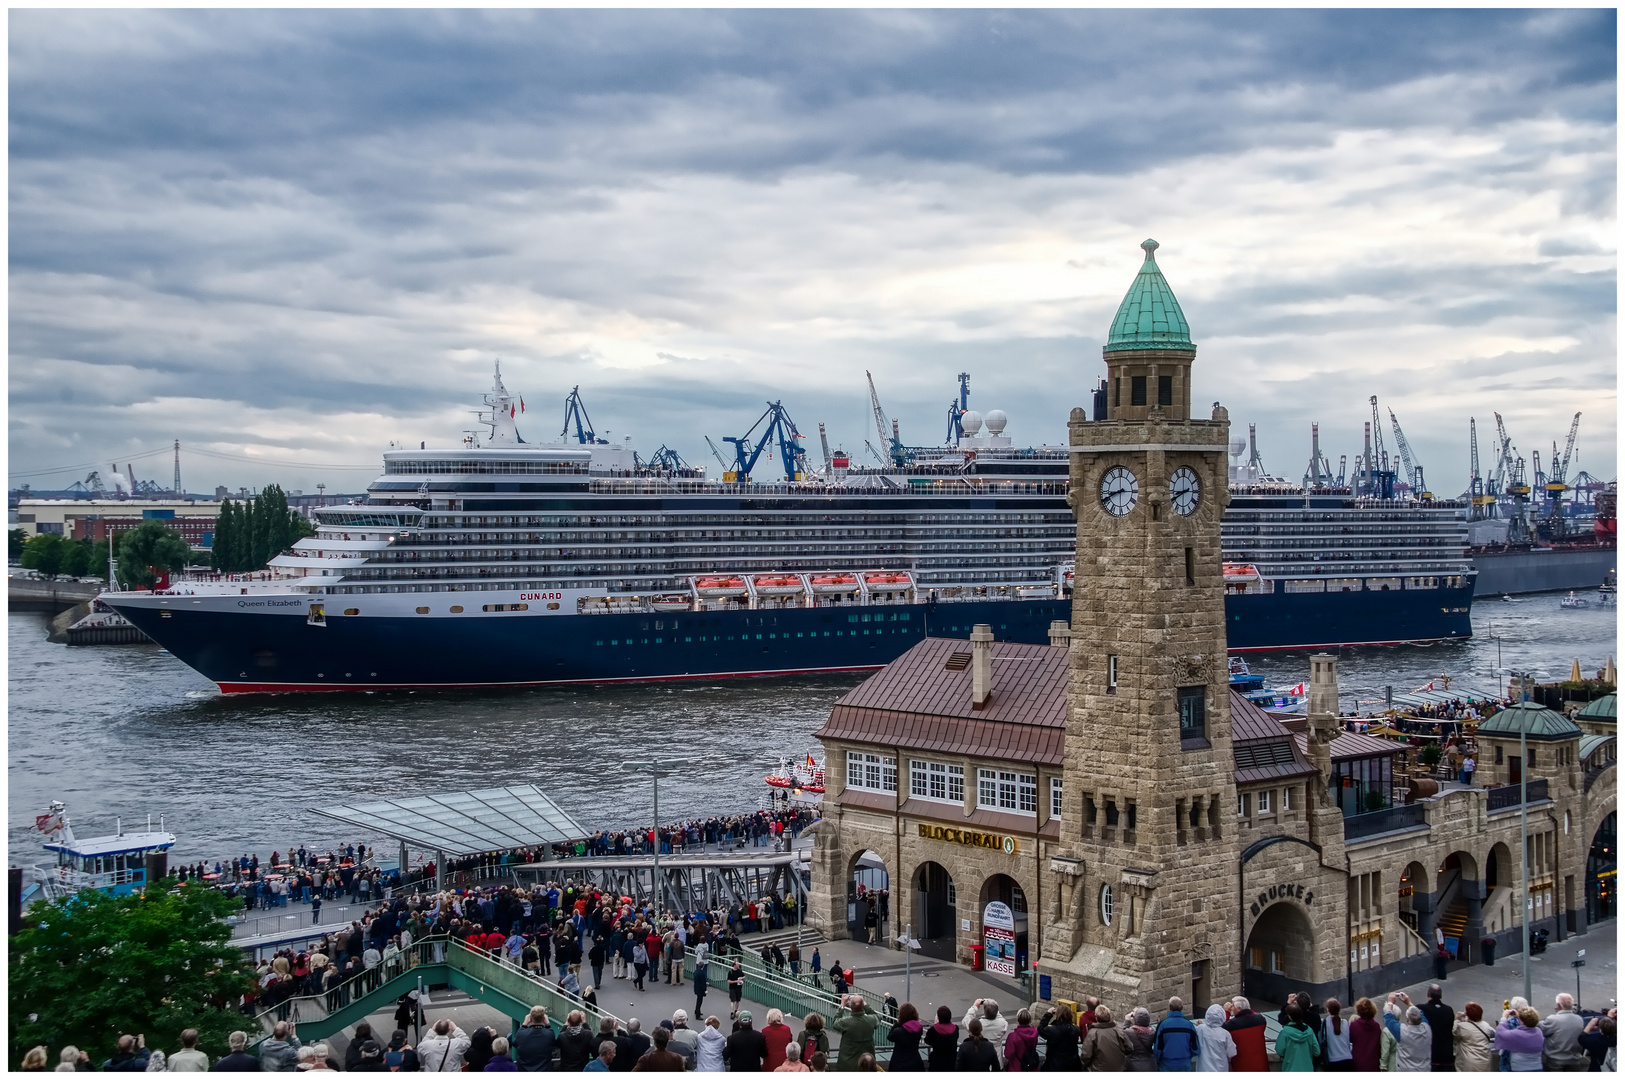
1562 1030
575 1043
280 1053
747 1047
684 1039
630 1045
1105 1048
856 1024
533 1043
188 1058
1247 1028
1442 1019
132 1055
238 1060
1174 1042
660 1059
442 1050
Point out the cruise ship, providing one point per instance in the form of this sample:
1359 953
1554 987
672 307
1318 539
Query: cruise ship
503 563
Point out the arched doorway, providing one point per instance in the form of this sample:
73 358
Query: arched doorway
936 918
1601 870
1279 957
1456 877
868 888
1003 889
1415 879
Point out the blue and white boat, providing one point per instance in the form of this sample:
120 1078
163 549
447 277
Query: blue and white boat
115 864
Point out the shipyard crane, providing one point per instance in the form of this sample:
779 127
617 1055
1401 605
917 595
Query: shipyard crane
1540 474
1516 486
1501 477
716 453
956 409
1413 468
1319 473
575 411
1557 482
780 428
823 440
899 456
1342 470
1483 502
878 455
664 459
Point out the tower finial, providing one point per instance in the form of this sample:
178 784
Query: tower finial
1150 247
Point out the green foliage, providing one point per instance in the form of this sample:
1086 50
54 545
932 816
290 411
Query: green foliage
150 545
45 553
96 565
1375 800
76 558
18 540
1430 755
86 969
249 534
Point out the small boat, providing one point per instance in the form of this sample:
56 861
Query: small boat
1574 601
720 586
778 584
881 579
803 776
670 602
835 583
1241 578
114 864
1242 678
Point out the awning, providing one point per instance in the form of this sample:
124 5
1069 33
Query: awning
465 822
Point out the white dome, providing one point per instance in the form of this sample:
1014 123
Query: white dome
1238 447
970 422
996 420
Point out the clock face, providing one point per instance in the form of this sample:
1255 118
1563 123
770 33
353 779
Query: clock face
1119 491
1184 491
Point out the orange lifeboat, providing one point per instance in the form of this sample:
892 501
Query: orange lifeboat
887 577
670 602
777 584
720 586
835 583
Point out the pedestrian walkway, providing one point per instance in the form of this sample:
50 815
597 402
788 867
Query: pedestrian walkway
1550 974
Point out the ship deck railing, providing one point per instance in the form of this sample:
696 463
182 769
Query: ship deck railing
944 484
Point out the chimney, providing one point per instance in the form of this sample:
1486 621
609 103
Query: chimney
1323 724
1060 634
981 664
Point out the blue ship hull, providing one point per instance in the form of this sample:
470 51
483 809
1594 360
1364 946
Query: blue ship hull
264 652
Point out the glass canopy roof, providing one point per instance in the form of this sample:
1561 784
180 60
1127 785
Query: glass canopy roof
465 822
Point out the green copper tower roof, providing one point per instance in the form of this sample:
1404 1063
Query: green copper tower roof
1149 316
1539 721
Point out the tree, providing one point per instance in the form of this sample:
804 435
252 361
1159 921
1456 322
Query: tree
96 566
85 968
18 540
149 546
248 534
224 526
45 553
76 558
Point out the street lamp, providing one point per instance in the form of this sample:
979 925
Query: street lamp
1523 819
656 770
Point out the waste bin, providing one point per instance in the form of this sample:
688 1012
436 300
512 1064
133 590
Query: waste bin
1487 949
976 956
1043 987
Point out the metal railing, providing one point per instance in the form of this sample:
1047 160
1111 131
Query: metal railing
1501 798
796 995
1593 773
1383 821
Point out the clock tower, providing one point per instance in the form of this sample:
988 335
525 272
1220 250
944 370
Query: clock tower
1141 893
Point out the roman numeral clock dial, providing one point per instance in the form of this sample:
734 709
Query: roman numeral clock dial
1184 491
1119 491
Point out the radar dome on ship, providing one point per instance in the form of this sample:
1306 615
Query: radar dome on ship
996 420
970 422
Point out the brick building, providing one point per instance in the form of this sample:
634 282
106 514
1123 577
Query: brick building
1152 832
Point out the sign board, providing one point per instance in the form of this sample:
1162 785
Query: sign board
999 935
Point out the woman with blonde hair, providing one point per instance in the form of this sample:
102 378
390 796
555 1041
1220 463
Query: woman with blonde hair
34 1060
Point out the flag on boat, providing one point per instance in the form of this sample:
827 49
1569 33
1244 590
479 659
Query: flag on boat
1298 690
521 403
48 823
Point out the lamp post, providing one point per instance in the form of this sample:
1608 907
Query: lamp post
1523 818
656 770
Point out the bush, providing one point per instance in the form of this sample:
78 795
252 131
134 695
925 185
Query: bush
1375 800
1430 755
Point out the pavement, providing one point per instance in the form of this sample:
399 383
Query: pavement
1550 974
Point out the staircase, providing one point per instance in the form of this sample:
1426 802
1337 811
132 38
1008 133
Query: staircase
1454 924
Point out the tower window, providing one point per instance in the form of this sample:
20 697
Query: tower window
1111 813
1165 389
1111 674
1190 566
1117 392
1136 390
1193 713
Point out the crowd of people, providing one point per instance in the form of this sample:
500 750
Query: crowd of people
1398 1036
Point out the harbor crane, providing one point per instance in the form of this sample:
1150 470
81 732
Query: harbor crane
1319 473
575 411
1557 482
1501 477
715 452
957 408
664 459
894 440
823 440
1413 468
1377 478
779 427
1483 502
1342 470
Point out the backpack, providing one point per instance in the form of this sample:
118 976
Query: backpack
394 1060
1029 1058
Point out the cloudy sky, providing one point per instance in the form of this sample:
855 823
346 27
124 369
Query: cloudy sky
295 236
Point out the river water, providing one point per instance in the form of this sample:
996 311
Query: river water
129 730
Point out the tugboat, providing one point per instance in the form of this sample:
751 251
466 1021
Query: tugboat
1574 601
114 864
803 782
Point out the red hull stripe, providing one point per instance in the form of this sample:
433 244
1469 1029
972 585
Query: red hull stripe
326 687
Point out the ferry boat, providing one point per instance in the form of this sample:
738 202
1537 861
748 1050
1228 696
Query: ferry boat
114 864
507 563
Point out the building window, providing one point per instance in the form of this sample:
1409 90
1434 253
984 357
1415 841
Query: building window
1165 389
1286 799
1106 905
1244 805
936 781
1117 392
1263 802
1137 390
1190 566
1111 674
871 772
1055 796
1000 790
1192 712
